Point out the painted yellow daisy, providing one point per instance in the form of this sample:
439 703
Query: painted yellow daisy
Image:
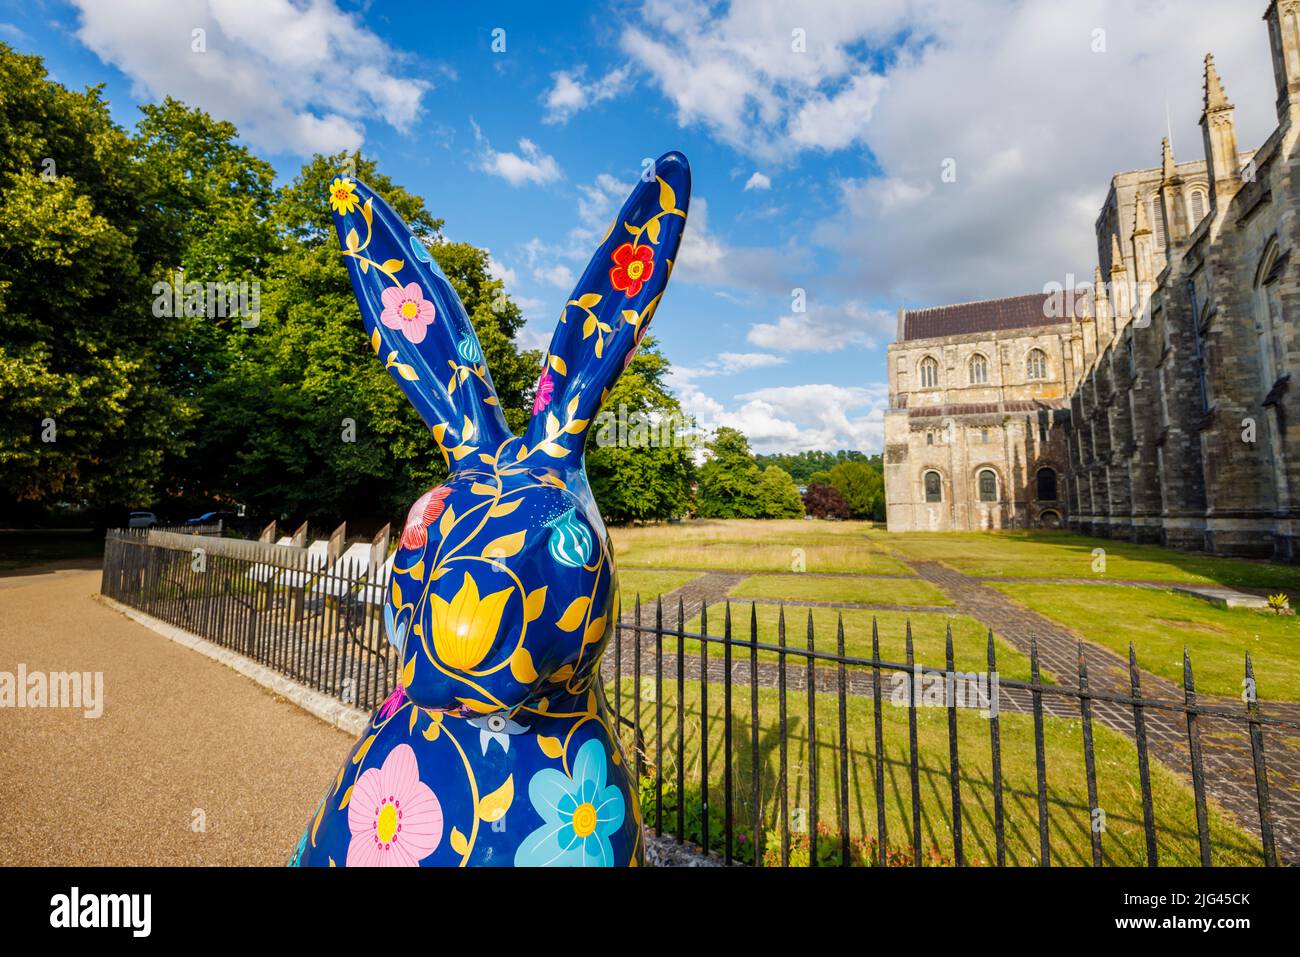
343 195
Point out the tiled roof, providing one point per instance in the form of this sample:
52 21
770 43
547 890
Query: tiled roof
990 315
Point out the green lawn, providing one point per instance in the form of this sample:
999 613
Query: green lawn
1043 554
969 637
1069 815
1160 623
841 588
756 546
649 585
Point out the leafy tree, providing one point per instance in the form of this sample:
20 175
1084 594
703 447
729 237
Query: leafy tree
634 473
307 422
825 501
778 494
729 479
88 413
861 486
803 465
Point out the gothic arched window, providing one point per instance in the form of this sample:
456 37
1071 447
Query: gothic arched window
1196 205
988 482
929 373
1036 364
1268 315
979 370
1158 220
1047 485
933 487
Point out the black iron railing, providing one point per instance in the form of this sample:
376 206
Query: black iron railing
782 752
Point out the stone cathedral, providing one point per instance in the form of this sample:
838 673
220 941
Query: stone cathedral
1155 405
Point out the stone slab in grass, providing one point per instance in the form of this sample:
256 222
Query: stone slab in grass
841 588
1159 623
1069 812
1063 555
649 585
970 638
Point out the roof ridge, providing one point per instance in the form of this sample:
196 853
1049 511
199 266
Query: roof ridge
974 302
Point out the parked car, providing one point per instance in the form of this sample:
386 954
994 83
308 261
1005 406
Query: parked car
141 520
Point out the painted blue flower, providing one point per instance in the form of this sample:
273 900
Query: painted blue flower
580 814
570 540
469 350
420 253
496 727
396 632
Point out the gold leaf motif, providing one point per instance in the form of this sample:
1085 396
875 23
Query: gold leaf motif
551 747
505 546
552 423
573 615
482 488
554 449
534 604
406 372
393 265
652 230
415 713
667 198
576 426
445 523
482 707
594 630
504 508
562 674
397 592
375 341
361 751
439 430
572 406
588 326
367 212
353 240
588 300
487 459
435 727
458 842
521 666
558 365
493 807
408 673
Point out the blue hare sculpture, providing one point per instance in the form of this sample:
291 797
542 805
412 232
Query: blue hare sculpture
496 747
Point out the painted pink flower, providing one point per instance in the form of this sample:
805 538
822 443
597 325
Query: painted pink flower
545 389
406 310
423 513
392 702
395 819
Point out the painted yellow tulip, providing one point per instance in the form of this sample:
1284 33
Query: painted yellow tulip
465 627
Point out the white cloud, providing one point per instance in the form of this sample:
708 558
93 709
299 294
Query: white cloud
758 181
825 329
529 165
795 418
727 363
705 258
269 66
1036 124
569 94
744 74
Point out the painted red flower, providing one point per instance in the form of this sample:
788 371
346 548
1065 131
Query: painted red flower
423 513
545 389
633 265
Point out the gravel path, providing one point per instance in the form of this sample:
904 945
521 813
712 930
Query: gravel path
181 740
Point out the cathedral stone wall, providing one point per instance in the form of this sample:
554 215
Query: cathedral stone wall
1172 412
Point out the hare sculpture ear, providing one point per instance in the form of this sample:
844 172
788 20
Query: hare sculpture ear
605 319
417 324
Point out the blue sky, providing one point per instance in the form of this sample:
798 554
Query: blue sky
817 133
